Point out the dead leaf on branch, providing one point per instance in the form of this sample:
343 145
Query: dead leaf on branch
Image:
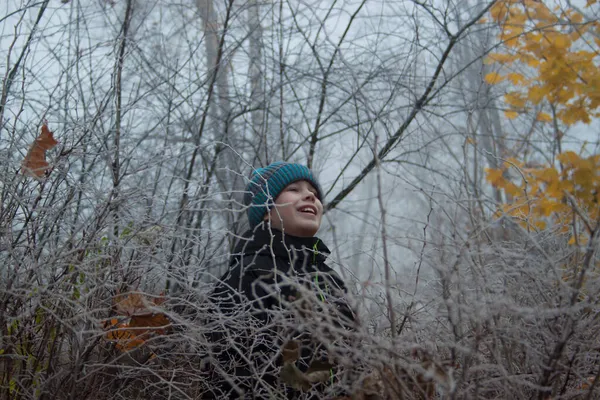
136 303
34 164
290 351
157 323
417 381
140 323
292 376
118 332
319 366
587 383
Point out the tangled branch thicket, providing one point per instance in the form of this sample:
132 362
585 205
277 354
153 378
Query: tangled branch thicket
500 320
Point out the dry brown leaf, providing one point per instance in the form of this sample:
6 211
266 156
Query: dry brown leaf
159 300
118 332
318 366
292 376
142 323
290 352
157 323
35 164
132 334
586 383
136 303
318 376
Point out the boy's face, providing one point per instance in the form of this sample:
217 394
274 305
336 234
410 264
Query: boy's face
297 210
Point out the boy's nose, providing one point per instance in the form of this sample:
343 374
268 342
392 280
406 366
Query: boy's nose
310 195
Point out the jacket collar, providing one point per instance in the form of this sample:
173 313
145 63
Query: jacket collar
258 240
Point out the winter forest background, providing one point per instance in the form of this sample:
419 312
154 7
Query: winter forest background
456 141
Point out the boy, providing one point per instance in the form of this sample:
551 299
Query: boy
277 275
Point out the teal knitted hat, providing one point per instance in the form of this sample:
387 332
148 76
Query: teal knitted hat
266 184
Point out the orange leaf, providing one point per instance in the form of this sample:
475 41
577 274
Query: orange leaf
128 336
157 323
118 332
143 322
133 303
35 164
111 323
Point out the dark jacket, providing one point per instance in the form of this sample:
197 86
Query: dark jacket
260 302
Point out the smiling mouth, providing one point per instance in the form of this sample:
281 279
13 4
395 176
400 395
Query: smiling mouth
308 210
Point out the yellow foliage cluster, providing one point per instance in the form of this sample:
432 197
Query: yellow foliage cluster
558 195
556 53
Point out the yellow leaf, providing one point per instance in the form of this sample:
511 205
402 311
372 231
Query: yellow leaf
536 94
512 189
584 178
498 11
576 18
533 62
544 117
516 78
569 157
512 42
547 207
511 114
581 239
513 162
561 42
493 78
515 100
574 114
539 224
548 175
494 176
542 12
